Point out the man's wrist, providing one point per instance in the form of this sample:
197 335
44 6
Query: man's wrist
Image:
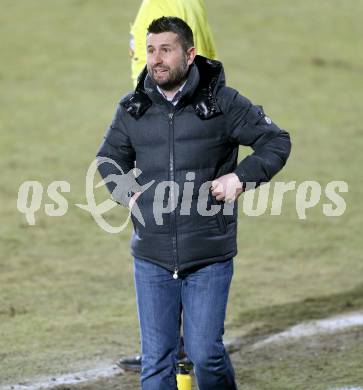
241 177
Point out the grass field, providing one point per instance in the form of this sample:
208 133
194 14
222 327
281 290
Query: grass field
66 290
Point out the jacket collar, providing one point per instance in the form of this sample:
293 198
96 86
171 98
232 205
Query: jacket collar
204 78
174 100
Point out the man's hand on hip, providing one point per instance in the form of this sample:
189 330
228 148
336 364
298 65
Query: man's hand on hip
227 187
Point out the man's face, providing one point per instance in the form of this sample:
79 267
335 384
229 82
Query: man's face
167 62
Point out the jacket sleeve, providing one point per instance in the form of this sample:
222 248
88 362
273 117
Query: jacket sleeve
117 149
249 126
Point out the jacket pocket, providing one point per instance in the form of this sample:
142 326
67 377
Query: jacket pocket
134 220
221 222
219 216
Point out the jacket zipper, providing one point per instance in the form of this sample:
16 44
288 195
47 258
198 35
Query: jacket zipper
172 197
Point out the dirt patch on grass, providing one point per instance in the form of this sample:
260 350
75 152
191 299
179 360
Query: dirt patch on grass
319 362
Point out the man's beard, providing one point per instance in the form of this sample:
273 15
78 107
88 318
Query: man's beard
176 76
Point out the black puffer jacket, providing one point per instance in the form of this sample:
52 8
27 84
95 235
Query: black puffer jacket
200 136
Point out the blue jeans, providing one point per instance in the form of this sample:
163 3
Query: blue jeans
201 295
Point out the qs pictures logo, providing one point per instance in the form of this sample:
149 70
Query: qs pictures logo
268 198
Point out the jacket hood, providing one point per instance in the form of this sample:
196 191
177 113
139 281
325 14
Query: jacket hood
205 78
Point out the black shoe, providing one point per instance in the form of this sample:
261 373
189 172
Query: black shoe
130 363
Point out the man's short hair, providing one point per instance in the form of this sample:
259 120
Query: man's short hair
175 25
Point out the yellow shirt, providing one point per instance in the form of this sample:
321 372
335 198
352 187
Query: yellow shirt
191 11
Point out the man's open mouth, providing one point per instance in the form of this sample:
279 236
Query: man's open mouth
160 71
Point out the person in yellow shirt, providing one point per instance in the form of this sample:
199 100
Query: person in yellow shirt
191 11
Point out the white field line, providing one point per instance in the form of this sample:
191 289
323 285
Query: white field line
104 371
311 328
348 388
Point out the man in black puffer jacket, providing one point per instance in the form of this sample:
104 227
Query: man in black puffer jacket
181 128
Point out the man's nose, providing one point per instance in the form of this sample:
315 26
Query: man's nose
157 58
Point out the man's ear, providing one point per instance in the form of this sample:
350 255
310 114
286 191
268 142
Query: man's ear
191 53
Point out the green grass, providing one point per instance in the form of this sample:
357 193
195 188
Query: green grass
66 287
314 363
